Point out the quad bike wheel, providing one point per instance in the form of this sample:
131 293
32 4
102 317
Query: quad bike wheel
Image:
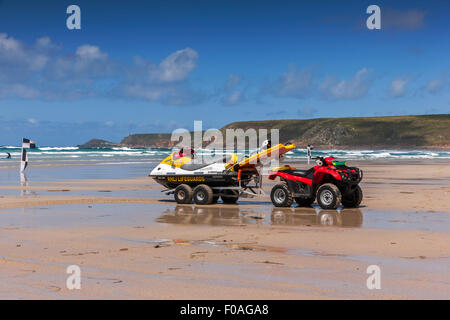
304 202
354 199
328 196
203 194
281 196
183 194
230 196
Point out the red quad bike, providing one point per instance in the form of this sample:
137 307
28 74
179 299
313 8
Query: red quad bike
330 181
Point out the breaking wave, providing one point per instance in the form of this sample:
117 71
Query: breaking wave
125 154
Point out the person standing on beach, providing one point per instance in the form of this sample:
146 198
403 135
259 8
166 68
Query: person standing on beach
308 151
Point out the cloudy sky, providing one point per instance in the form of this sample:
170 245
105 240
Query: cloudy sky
154 66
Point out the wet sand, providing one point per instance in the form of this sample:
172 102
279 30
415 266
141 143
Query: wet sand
131 241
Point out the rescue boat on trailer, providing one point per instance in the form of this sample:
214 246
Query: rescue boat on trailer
188 178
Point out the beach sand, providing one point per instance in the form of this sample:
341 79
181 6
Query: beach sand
132 241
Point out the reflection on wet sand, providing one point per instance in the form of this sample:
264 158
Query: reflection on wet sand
24 184
302 216
229 216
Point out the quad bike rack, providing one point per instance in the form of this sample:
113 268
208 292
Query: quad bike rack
244 189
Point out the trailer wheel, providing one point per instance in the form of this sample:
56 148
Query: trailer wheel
328 196
230 196
281 196
183 194
354 199
304 202
203 194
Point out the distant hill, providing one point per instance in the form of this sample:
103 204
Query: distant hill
157 140
425 131
98 143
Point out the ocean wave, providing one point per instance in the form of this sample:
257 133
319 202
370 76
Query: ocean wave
58 148
373 154
125 153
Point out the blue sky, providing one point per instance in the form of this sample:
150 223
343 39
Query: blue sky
154 66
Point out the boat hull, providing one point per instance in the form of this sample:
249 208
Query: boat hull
212 180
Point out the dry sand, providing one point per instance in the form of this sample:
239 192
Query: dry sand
133 242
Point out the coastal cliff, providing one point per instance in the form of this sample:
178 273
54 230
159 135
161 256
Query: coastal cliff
425 131
422 131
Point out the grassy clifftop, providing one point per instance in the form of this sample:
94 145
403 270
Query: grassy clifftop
374 132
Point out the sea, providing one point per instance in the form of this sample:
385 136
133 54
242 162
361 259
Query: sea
49 164
124 155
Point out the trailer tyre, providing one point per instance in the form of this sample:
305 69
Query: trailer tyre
281 196
230 196
203 194
328 196
354 199
183 194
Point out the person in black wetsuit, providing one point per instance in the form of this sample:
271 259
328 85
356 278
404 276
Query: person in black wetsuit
8 155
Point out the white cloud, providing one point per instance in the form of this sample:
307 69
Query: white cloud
398 87
355 88
301 83
233 92
18 59
233 81
146 92
172 94
44 43
436 85
88 62
18 90
42 70
88 52
176 66
165 82
411 19
33 121
295 82
233 98
10 47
